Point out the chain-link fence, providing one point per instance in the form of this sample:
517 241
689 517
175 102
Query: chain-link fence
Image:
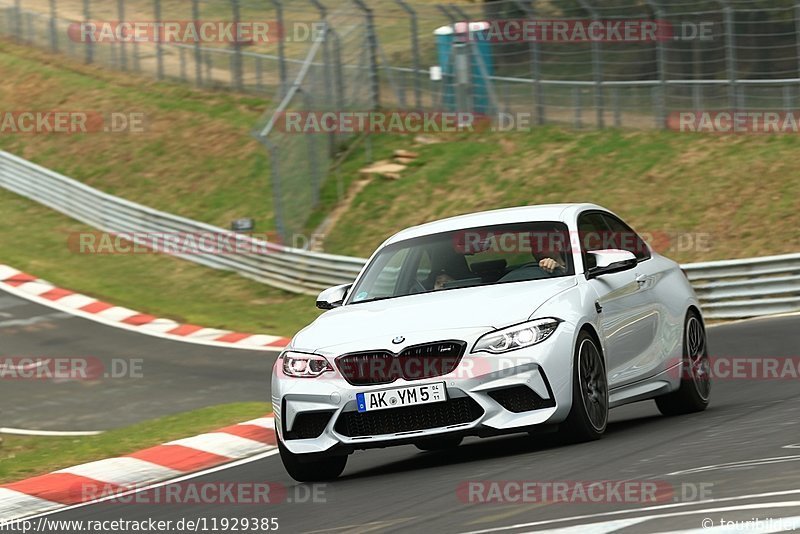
585 63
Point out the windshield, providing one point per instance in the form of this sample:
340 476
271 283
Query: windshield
467 258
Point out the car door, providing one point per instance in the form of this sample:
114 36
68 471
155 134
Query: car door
619 301
655 332
645 346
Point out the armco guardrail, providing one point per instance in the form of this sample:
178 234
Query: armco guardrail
727 289
747 288
290 269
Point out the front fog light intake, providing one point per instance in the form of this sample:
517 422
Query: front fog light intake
517 337
301 365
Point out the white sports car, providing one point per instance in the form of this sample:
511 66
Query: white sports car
485 324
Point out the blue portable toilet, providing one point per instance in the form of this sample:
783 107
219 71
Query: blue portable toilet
459 49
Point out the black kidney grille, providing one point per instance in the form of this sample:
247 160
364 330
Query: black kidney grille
409 418
414 363
520 399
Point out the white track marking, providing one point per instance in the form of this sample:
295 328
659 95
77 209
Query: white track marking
41 513
266 422
14 503
123 471
734 465
50 433
117 313
222 444
613 513
597 528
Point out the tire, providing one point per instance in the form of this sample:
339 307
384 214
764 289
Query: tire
695 389
311 468
438 444
588 418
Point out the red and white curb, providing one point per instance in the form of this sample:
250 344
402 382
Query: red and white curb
31 288
114 476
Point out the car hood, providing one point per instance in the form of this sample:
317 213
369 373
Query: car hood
427 317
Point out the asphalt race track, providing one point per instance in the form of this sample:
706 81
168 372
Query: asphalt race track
738 454
140 377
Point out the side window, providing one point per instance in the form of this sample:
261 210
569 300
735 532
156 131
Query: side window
624 238
591 230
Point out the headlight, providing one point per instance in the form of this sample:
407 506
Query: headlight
301 365
517 337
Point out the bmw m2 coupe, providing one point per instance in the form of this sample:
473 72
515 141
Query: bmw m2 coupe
490 323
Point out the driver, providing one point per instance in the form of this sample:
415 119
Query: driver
546 250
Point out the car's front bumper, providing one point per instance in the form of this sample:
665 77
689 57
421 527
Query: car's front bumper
545 369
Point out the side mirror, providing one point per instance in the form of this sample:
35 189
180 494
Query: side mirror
333 297
610 261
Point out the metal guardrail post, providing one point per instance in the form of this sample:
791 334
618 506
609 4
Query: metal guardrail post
53 26
281 46
372 45
661 65
159 46
123 57
536 66
236 59
87 16
17 26
597 68
198 51
797 34
730 55
415 57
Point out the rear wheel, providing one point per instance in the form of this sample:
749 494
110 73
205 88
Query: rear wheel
438 444
695 388
588 417
311 468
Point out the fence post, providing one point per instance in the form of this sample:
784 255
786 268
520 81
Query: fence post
797 33
730 54
238 75
372 49
123 58
198 52
159 47
281 46
576 97
536 69
661 114
53 26
414 29
597 68
87 16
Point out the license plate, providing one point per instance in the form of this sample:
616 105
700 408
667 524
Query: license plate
396 398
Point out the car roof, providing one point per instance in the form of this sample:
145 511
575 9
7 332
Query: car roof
541 212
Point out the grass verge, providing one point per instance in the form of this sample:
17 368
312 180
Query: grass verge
704 197
26 456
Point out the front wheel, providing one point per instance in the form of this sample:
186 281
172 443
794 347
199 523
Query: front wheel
588 418
695 389
312 468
